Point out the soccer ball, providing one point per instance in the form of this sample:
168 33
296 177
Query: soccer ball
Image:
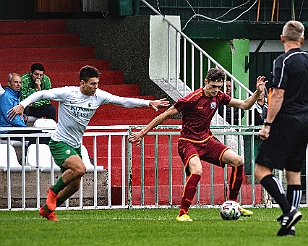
230 210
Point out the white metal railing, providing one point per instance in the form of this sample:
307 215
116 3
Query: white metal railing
202 54
149 175
193 63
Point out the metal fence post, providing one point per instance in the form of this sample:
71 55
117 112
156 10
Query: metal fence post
129 171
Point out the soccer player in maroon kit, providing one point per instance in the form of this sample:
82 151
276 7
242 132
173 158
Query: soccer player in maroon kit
196 141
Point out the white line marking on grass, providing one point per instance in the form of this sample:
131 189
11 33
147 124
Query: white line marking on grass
158 219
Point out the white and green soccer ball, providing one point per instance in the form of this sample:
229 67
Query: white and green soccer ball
230 210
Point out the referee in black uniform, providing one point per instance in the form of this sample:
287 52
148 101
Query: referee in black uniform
285 132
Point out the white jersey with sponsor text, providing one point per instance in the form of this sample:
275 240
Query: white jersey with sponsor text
76 109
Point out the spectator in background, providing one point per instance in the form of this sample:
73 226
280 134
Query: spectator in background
223 108
260 109
9 99
34 81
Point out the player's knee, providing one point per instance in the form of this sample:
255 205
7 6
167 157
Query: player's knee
80 170
258 175
75 165
195 168
197 171
237 161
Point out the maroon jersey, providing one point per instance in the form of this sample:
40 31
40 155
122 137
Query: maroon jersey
197 113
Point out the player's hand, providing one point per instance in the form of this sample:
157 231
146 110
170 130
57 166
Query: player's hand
264 132
260 84
13 112
135 137
159 103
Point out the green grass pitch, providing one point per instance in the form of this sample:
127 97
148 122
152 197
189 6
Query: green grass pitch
147 227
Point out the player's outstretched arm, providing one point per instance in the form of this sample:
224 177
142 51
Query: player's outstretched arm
248 103
45 94
137 136
159 103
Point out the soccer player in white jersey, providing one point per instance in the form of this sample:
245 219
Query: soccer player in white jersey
76 107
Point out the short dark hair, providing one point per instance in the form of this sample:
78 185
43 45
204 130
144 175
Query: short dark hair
215 74
88 72
37 66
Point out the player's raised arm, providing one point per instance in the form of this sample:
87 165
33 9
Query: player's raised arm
248 103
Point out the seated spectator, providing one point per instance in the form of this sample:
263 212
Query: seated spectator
34 81
229 110
9 99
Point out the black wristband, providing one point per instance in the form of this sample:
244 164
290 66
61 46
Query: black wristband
268 124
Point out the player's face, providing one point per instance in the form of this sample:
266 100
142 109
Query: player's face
212 88
15 83
89 88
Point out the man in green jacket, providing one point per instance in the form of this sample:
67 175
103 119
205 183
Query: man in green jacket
34 81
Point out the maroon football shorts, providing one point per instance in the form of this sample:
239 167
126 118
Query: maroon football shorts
210 151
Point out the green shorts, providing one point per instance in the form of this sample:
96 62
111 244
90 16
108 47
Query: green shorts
60 151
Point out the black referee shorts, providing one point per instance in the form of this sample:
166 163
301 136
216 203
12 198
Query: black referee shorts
286 146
